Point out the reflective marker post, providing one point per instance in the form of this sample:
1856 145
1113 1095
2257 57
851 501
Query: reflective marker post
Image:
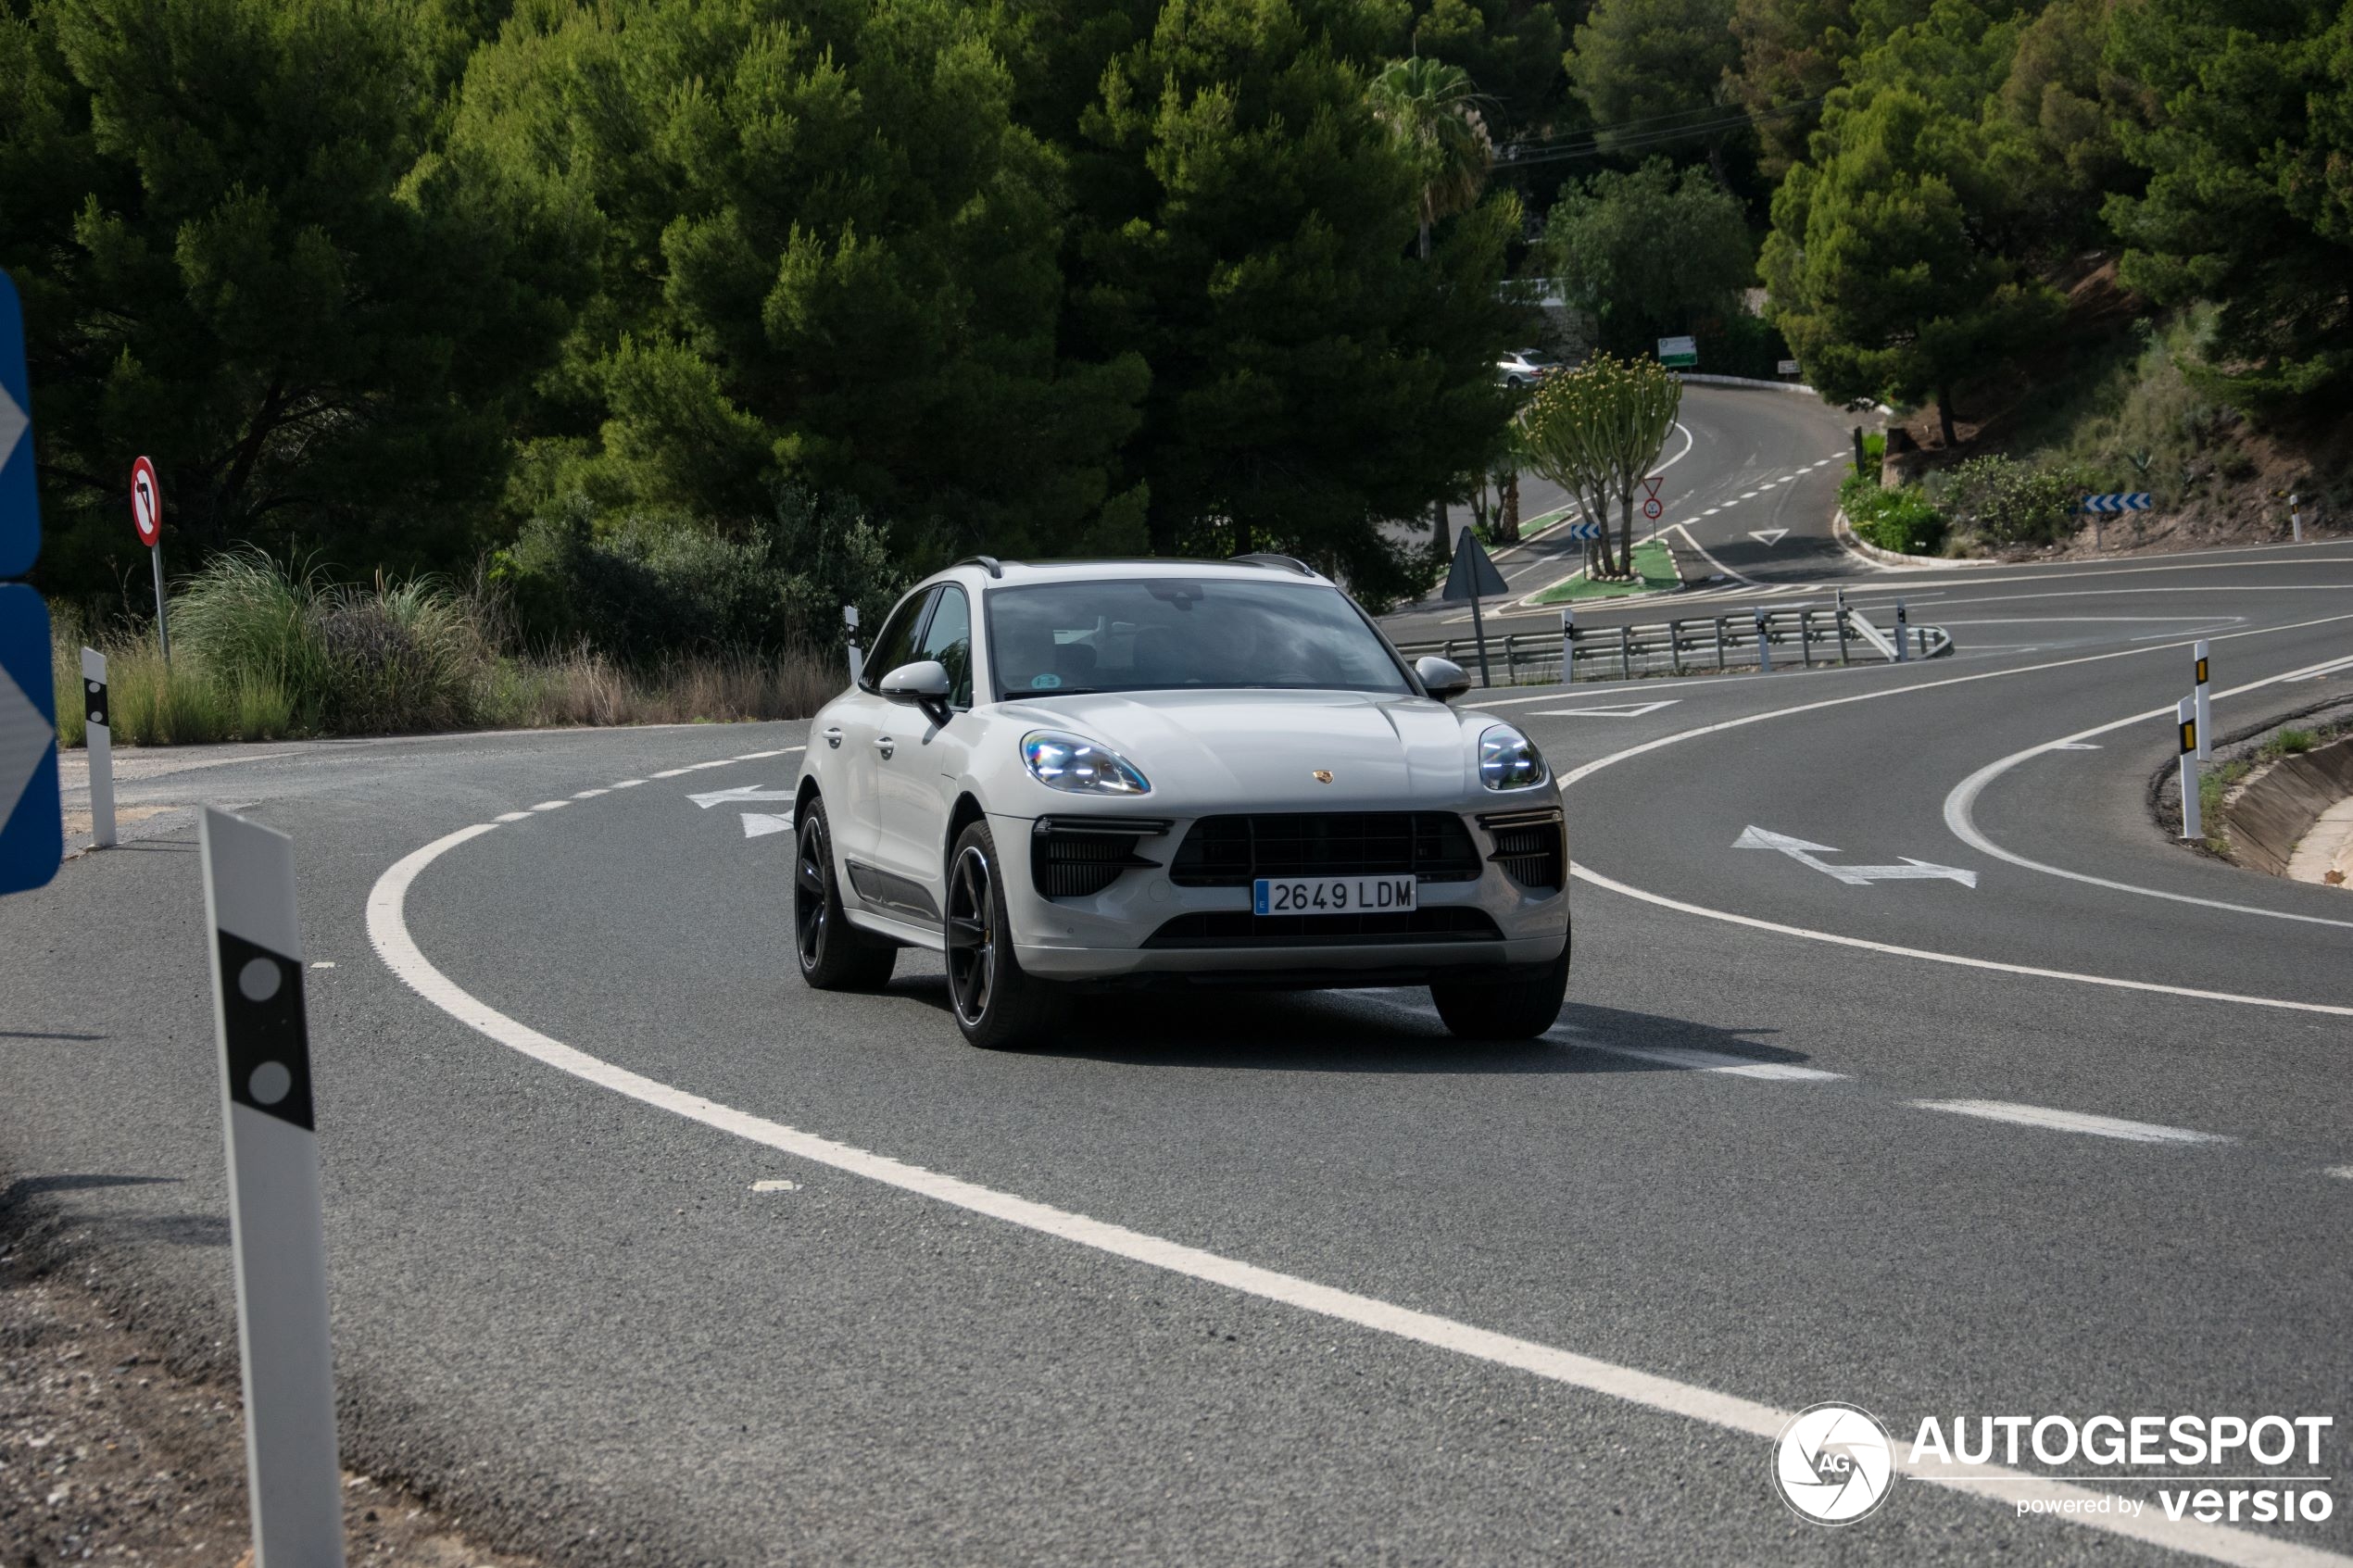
1903 636
2296 516
2186 715
274 1219
1569 643
857 661
2205 712
98 741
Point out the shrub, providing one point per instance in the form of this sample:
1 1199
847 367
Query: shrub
2011 502
1901 519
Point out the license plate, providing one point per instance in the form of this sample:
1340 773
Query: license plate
1331 894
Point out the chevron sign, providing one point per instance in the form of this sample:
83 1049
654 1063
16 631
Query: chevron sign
1587 530
2126 501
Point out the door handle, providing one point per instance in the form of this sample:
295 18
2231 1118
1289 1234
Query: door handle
833 737
885 744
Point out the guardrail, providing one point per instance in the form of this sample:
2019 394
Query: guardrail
1787 635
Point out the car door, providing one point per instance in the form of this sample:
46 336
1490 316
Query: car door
918 780
856 733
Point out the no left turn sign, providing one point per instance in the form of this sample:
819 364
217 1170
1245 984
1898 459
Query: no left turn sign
147 503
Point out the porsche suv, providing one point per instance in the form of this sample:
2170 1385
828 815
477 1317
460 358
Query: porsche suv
1105 774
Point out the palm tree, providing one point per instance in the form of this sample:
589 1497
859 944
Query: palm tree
1432 114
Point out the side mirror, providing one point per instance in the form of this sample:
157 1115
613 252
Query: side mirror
924 683
1442 678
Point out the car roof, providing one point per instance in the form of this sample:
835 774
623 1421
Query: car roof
996 573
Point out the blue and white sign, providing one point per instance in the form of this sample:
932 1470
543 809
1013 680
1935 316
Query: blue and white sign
2122 501
19 512
31 835
1588 530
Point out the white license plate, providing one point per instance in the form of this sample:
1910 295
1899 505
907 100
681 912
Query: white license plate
1331 894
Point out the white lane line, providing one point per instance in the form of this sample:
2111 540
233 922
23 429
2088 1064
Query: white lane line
672 773
2343 1173
2070 1121
1586 873
551 806
1716 565
388 931
1686 1057
629 784
511 816
1960 807
763 756
590 794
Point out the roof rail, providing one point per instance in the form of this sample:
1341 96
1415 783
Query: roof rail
989 561
1280 563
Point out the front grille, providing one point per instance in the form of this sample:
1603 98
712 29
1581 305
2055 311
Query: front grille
1078 857
1239 928
1531 847
1235 851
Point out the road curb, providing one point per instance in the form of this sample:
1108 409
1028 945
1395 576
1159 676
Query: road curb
1854 544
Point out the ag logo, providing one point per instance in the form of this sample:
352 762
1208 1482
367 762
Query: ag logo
1832 1463
1323 775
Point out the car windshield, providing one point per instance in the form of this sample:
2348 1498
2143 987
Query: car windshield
1162 633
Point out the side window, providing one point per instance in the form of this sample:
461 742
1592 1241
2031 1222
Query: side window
948 638
895 645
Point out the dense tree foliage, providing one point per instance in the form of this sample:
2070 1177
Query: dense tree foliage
1650 254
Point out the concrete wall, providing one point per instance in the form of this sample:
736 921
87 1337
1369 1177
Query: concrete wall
2275 811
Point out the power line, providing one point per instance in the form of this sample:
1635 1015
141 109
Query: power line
1613 142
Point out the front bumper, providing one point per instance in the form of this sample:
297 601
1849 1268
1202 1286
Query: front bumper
1108 938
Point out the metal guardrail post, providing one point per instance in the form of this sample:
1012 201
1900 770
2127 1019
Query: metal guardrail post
1840 617
1675 646
1719 642
1806 638
1764 653
1902 650
1511 659
1626 652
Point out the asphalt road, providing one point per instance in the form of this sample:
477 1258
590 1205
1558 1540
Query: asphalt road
1293 1278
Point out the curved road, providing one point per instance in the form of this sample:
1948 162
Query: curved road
641 1252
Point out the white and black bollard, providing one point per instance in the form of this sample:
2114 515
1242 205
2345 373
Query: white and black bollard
1764 649
856 661
2186 715
1903 635
97 735
2205 710
275 1224
2296 516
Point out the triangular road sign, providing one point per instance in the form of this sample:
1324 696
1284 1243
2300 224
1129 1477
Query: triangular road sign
1473 574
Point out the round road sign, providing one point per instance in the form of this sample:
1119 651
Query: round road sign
147 503
1651 508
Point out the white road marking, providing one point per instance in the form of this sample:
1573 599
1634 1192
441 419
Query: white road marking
1959 960
629 784
512 816
590 794
672 773
763 756
1717 566
388 931
2343 1173
323 963
551 806
1770 536
1808 854
2076 746
2070 1121
1748 495
1960 807
1687 1059
741 792
1624 710
760 825
775 1184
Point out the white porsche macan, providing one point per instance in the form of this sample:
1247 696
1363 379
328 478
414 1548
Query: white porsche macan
1112 774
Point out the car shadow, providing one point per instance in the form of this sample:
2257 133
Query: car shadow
1369 1031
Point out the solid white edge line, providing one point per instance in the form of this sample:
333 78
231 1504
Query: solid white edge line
1586 873
1960 807
2070 1121
1722 570
388 933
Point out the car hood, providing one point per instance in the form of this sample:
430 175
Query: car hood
1262 749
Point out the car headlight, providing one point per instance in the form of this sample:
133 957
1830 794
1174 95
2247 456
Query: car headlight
1061 761
1508 760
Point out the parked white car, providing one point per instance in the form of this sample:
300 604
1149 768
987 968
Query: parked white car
1112 774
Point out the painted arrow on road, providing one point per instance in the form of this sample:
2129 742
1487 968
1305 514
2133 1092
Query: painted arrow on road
1771 537
1621 710
1798 849
760 825
742 792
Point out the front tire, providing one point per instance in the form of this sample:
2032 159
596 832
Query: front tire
834 955
997 1005
1513 1010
